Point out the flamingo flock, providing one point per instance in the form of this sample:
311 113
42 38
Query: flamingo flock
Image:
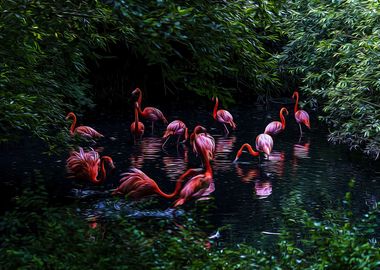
194 183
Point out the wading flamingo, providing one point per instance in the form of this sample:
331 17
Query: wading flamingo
85 165
199 186
276 127
176 128
150 113
202 141
137 185
300 115
264 144
85 131
137 128
223 116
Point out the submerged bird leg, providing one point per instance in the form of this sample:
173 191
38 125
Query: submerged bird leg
152 126
226 129
163 145
178 141
300 129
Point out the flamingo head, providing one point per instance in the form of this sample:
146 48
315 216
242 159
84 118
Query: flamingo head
70 115
295 94
283 109
214 98
136 91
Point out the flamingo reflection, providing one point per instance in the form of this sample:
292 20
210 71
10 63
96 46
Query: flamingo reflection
276 163
247 175
174 165
223 148
301 150
263 189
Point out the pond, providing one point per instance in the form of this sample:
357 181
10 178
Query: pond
249 196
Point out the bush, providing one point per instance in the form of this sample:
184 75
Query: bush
333 48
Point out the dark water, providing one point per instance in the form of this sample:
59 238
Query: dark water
249 196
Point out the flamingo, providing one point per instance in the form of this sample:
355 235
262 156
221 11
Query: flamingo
264 143
276 127
223 116
84 131
300 115
151 113
202 141
85 165
136 185
176 128
137 128
263 189
200 185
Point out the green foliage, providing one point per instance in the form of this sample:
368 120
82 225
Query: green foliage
36 235
333 47
202 46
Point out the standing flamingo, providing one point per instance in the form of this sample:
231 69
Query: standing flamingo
264 143
85 131
137 185
199 186
137 128
202 141
151 113
223 116
85 165
176 128
276 127
300 115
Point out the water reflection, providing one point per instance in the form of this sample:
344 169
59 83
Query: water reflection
175 164
301 150
263 188
247 175
223 148
275 163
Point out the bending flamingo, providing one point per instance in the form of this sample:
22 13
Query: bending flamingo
85 165
150 113
300 115
264 144
176 128
276 127
85 131
199 186
137 128
223 116
202 141
136 185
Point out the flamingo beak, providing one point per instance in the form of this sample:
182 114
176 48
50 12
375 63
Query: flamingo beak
235 160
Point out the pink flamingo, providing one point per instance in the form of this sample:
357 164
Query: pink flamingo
300 115
137 128
150 113
199 186
264 143
276 127
85 165
223 116
202 141
137 185
85 131
176 128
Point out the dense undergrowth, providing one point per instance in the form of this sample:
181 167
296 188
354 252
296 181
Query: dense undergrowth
35 235
333 50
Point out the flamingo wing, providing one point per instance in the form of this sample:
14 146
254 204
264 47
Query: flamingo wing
225 117
264 143
302 117
153 114
273 128
88 132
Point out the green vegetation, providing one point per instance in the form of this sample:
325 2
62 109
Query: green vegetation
333 49
206 47
37 236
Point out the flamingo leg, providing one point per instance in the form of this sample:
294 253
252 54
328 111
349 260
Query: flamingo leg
226 129
165 142
300 129
179 137
152 126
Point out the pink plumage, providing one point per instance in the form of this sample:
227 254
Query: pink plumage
196 188
177 127
302 117
223 116
84 131
276 127
204 142
83 165
264 143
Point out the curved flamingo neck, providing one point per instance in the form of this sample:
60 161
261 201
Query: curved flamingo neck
296 105
177 188
136 119
73 124
282 117
249 148
102 176
215 107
